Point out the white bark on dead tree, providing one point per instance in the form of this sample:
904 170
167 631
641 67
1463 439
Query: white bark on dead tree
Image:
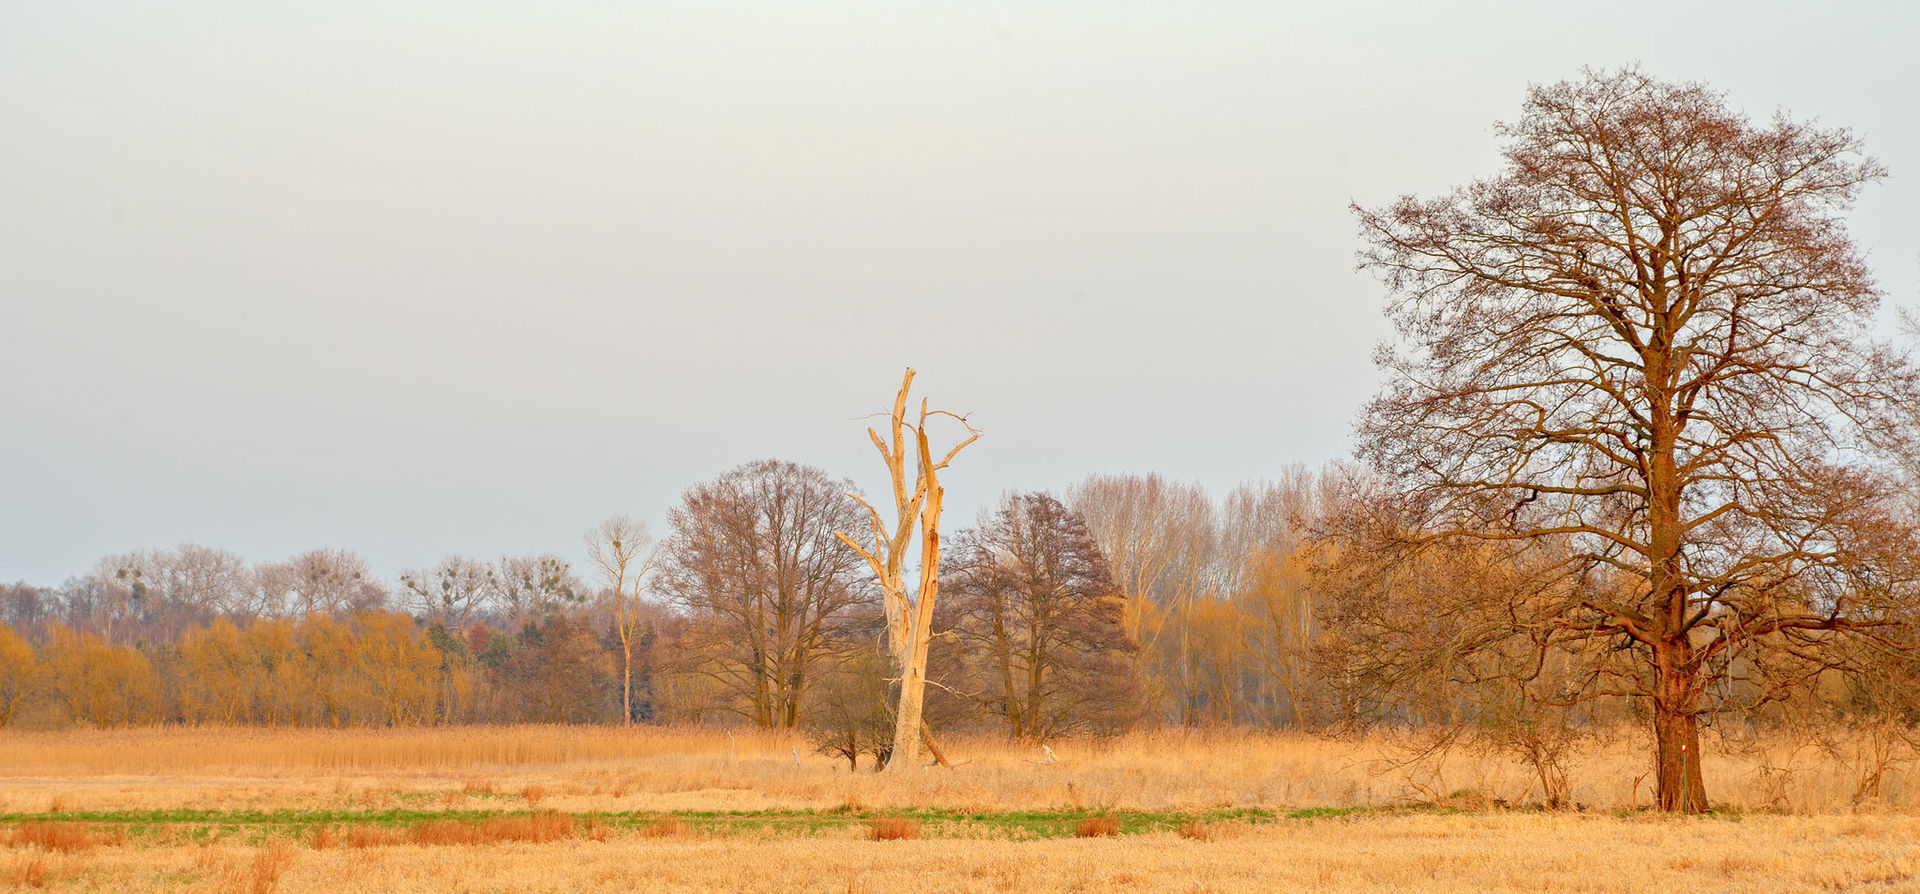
917 509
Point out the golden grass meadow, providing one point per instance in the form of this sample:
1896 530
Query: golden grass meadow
547 808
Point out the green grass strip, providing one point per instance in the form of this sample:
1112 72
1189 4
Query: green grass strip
938 822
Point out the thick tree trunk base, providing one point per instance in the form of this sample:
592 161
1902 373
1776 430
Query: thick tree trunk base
1681 787
906 723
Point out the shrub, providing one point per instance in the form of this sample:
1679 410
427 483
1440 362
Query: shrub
63 837
666 828
1098 827
894 828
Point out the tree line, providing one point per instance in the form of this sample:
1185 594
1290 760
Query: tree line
1641 454
750 609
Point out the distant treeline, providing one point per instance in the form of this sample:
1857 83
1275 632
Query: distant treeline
1133 601
1130 601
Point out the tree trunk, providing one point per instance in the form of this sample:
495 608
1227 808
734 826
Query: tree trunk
626 653
1676 735
913 695
626 678
1677 744
909 622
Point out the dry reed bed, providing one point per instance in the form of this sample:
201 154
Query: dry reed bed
579 769
543 774
1401 852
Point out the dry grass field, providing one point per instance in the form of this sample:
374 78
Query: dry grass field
590 809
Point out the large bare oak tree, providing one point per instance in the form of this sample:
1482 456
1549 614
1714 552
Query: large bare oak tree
1643 348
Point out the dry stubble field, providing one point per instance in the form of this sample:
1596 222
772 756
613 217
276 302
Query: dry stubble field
587 809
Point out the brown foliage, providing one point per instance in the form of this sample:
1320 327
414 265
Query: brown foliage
269 863
445 832
61 836
893 828
1097 827
32 873
1038 621
370 836
1195 830
667 828
538 828
19 673
753 561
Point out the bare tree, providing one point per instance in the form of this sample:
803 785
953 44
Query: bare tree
158 593
1265 548
1643 348
622 549
520 587
451 592
25 607
1159 537
202 582
916 524
1034 611
329 581
1416 638
753 560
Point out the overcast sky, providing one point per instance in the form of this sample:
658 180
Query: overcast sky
417 281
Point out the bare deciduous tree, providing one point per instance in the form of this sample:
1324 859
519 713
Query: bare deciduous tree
622 549
1265 558
523 587
918 499
753 559
331 581
1644 346
1416 638
449 593
1035 614
1159 537
158 593
1154 533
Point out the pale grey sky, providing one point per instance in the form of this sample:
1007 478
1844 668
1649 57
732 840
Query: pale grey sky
416 279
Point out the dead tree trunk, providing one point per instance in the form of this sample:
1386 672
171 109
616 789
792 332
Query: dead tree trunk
917 504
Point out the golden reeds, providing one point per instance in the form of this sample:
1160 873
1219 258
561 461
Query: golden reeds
60 837
581 769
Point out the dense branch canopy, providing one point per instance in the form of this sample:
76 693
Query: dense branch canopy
1644 347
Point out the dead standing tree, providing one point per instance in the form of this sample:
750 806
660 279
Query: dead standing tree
917 507
1644 347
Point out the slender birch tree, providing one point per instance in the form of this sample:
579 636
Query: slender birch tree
622 549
